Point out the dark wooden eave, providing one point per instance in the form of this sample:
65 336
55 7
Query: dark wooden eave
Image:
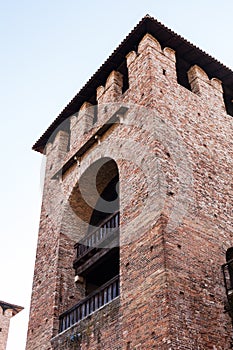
15 308
167 38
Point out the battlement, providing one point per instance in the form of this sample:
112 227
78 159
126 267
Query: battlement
81 122
148 68
209 89
173 58
151 62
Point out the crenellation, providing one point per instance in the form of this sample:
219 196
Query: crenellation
130 58
81 122
99 92
144 68
198 80
152 65
170 53
149 41
210 90
115 82
73 126
110 93
217 84
86 114
131 61
112 90
56 151
169 65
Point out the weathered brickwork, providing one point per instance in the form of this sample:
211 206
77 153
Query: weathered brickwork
99 331
6 312
4 326
173 149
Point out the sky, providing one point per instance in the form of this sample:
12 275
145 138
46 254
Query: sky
49 49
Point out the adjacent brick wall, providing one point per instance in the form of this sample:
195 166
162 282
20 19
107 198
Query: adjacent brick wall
4 327
6 312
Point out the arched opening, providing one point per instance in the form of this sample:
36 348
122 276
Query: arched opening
108 195
97 203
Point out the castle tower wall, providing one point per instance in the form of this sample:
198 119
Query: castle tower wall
172 147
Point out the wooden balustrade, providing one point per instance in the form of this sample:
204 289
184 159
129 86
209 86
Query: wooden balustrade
102 296
99 237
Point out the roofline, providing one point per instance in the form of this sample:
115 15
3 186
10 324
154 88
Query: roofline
167 38
16 308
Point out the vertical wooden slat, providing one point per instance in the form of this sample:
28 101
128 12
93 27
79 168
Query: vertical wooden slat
110 292
114 291
96 301
106 294
105 229
100 299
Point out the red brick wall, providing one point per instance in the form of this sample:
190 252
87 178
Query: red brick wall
174 154
4 327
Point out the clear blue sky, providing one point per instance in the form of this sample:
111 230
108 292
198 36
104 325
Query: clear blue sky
49 49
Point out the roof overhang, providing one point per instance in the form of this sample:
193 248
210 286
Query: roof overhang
7 306
167 38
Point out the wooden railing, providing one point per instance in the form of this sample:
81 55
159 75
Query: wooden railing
105 294
99 236
227 270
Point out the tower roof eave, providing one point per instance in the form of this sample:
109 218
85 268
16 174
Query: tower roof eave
15 308
167 38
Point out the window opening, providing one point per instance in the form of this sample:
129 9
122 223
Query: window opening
123 69
228 99
182 67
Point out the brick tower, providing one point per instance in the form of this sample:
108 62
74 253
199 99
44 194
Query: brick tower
6 312
137 204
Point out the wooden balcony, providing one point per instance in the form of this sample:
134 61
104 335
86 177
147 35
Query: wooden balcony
227 270
100 297
98 242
